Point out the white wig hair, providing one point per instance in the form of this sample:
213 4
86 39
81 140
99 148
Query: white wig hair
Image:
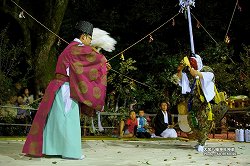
102 40
199 62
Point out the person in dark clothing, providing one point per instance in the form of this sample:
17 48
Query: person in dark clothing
163 122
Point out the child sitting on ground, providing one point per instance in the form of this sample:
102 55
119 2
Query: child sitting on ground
142 128
128 129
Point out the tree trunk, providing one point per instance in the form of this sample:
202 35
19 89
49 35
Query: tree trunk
45 51
39 41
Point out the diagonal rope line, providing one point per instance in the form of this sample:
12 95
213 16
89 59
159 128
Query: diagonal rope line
113 56
204 29
143 37
133 79
231 18
68 42
211 36
39 22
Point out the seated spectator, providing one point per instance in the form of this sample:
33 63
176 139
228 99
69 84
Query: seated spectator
27 97
142 128
128 129
10 111
21 113
18 88
163 122
28 100
40 93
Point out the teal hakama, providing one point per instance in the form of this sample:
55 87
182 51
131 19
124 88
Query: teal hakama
62 133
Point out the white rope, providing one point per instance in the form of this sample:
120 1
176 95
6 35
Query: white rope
38 22
133 79
204 29
113 56
143 37
211 36
231 19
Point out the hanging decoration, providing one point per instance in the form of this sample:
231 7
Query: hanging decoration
227 39
173 22
122 56
198 24
239 7
185 3
21 15
150 38
144 37
59 42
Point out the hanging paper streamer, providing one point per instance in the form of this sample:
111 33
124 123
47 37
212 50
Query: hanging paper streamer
59 42
239 7
93 125
21 15
227 39
122 57
150 38
198 24
173 22
185 3
100 128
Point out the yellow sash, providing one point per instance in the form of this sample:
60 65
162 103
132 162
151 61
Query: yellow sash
210 113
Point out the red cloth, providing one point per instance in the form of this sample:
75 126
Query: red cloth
34 142
193 63
131 125
88 74
87 85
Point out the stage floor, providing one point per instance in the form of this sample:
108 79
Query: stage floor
107 151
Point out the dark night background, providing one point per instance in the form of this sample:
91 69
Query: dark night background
129 21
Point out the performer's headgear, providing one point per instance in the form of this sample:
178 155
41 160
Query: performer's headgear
196 62
85 27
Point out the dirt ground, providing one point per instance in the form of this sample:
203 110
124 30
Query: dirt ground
135 152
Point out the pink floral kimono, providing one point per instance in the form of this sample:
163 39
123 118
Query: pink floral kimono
87 81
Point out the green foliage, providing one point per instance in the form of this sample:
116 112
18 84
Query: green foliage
9 55
122 91
231 76
120 80
129 21
122 84
6 88
244 69
157 60
159 77
9 61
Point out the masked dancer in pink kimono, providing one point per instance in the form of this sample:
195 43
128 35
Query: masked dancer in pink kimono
80 78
